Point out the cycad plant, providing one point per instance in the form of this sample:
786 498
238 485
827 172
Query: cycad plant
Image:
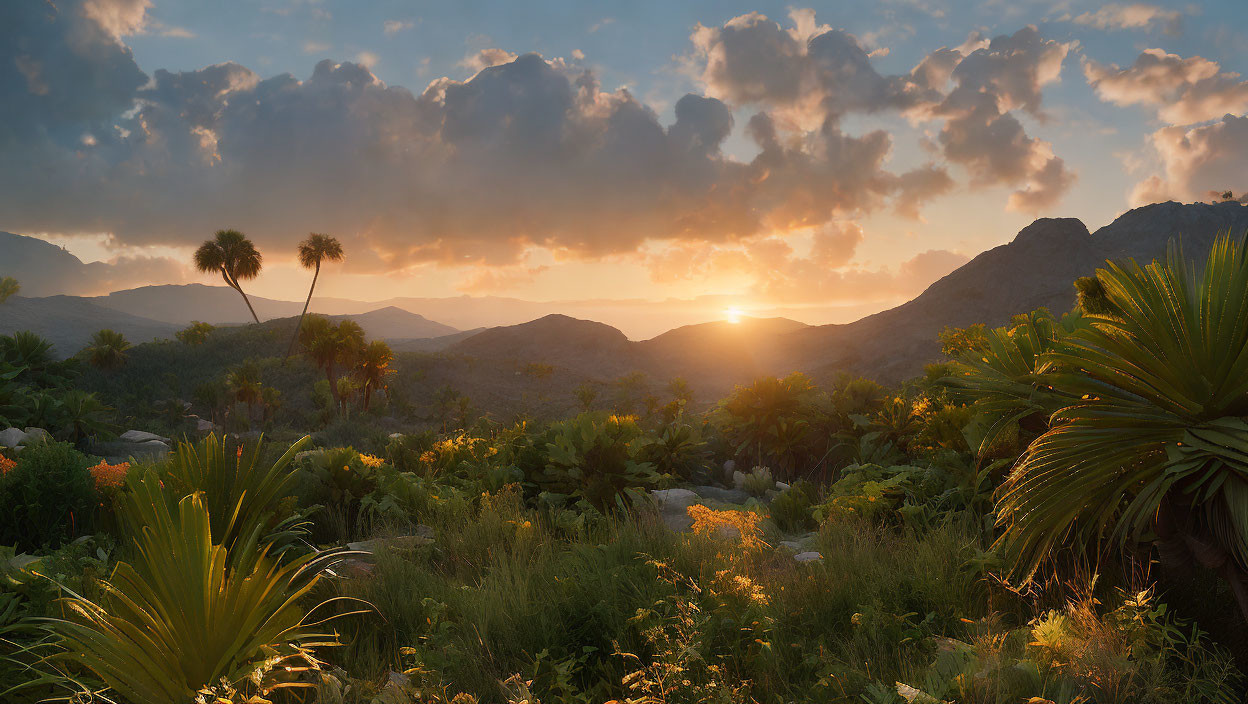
1155 440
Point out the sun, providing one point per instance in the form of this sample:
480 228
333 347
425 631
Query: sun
733 315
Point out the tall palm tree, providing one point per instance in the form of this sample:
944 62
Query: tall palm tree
8 287
231 254
315 249
1154 439
107 349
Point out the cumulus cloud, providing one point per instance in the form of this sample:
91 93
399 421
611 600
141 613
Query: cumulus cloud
1136 15
980 131
807 74
1184 91
1197 161
527 153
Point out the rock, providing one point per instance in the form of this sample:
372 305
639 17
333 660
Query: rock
673 505
204 426
738 479
728 496
811 556
142 436
33 434
396 436
793 545
675 498
12 437
781 486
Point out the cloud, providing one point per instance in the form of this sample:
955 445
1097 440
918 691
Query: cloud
393 27
1196 161
485 58
980 131
315 47
528 153
604 22
367 59
1133 16
806 74
1184 91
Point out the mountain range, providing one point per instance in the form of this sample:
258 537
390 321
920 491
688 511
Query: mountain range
1035 269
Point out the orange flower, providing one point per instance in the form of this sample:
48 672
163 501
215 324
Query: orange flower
6 464
371 461
108 476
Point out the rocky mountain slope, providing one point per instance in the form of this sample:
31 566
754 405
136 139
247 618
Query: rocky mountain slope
1036 269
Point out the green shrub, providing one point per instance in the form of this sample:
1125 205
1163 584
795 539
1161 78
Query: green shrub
49 497
791 510
589 457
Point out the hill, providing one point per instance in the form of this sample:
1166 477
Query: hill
594 349
719 354
391 323
68 322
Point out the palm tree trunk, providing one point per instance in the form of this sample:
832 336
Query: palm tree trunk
233 283
299 326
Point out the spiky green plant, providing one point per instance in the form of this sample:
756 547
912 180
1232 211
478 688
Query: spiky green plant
239 491
1010 378
190 614
1155 440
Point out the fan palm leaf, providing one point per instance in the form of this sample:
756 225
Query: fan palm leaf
1158 426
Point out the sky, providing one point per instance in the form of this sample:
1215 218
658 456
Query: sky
825 160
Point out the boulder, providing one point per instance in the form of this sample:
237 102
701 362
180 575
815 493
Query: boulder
673 505
738 479
204 426
811 556
12 437
142 436
728 496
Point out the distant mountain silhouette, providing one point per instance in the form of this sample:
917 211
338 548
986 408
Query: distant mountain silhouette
68 322
391 323
1037 268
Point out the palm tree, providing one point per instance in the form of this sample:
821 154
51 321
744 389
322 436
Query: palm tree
107 349
235 257
244 384
373 368
315 249
1154 440
332 347
8 287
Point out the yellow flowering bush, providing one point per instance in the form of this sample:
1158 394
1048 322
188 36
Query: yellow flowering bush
746 524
